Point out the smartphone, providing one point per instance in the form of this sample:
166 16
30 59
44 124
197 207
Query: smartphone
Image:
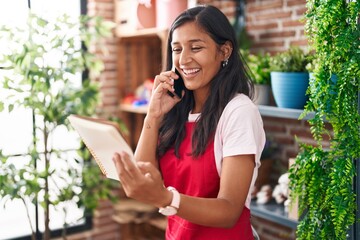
178 85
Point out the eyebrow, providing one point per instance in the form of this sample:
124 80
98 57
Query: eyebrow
190 41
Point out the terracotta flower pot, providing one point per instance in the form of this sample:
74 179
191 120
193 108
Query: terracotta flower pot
167 11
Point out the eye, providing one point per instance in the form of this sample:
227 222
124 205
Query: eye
196 49
176 50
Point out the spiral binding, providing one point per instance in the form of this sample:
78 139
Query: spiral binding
101 166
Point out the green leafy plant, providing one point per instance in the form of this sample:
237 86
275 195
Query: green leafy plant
312 64
292 60
259 65
322 179
41 64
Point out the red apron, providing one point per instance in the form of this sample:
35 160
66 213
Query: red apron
198 177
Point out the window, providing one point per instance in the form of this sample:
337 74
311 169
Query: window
16 131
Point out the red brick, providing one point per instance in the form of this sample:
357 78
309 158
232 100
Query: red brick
268 44
103 221
292 23
284 140
264 26
282 121
301 11
264 6
281 34
274 128
301 132
273 16
228 4
296 2
303 42
109 84
104 232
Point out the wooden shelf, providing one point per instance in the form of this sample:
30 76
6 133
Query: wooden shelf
146 32
133 109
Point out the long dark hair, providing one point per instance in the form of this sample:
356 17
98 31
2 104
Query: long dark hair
229 81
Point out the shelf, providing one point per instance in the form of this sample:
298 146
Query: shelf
268 111
272 111
146 32
133 109
273 212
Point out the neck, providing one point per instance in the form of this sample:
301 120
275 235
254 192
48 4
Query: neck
200 97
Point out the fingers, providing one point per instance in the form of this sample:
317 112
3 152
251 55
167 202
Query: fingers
141 181
126 169
166 80
148 170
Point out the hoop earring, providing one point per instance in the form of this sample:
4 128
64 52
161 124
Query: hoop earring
225 63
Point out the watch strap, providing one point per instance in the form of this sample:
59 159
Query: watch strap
174 205
176 197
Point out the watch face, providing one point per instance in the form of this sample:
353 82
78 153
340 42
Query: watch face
168 211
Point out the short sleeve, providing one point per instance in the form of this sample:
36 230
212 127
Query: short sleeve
240 131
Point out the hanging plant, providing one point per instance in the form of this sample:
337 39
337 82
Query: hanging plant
322 179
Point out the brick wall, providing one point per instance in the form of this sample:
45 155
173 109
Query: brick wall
273 25
109 77
227 7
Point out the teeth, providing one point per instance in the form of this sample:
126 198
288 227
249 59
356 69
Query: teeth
190 71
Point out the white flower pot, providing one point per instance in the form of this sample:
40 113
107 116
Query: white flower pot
262 94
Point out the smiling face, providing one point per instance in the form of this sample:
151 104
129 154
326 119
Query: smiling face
197 57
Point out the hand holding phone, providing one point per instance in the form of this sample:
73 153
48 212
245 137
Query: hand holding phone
178 85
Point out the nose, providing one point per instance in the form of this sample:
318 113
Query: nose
185 57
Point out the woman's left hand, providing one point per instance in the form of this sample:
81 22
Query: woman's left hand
141 181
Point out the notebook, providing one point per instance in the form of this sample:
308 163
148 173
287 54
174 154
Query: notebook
103 139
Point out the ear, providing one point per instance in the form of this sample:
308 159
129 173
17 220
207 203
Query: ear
226 50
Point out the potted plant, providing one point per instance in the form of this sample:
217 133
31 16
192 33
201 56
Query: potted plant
40 66
289 78
259 66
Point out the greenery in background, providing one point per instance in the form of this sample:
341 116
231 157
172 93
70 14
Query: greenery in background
42 62
322 179
312 64
259 65
292 60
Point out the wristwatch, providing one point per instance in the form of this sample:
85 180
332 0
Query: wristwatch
174 205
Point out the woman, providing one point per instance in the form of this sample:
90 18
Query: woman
197 156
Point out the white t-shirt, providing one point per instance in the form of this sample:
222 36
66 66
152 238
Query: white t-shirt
239 131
